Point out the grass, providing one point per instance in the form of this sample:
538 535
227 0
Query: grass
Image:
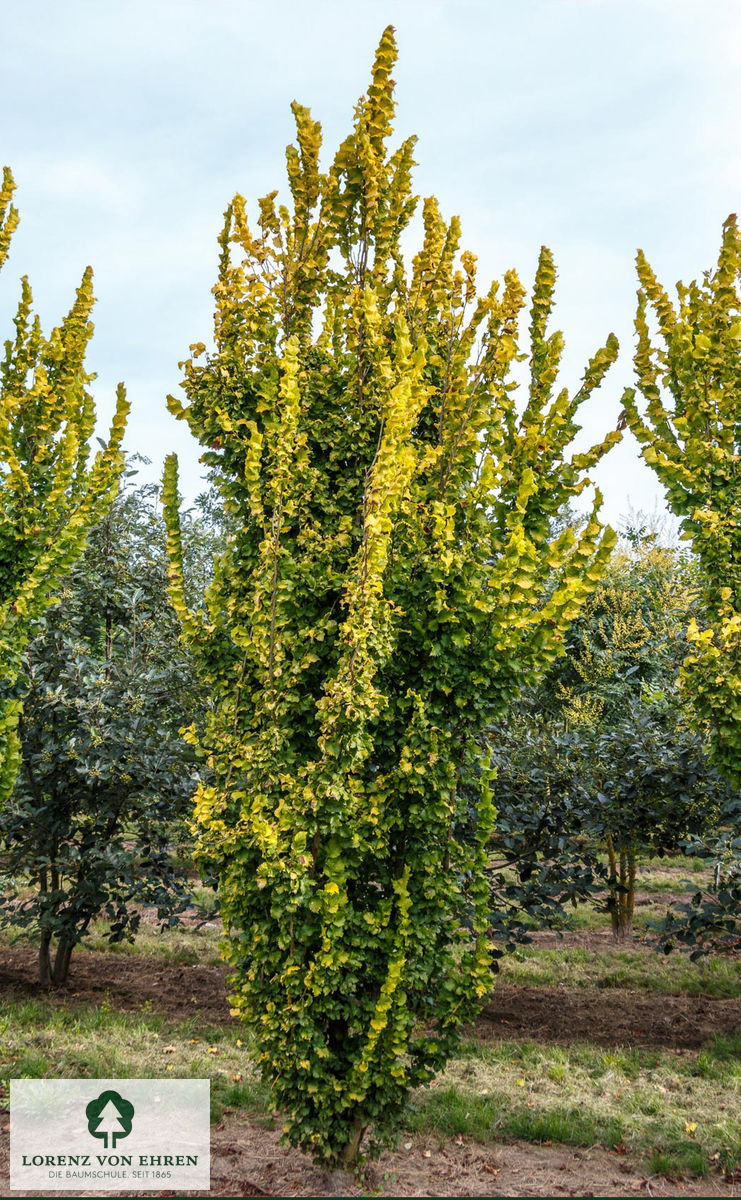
636 968
679 1111
39 1039
633 966
589 918
677 862
182 945
489 1117
657 880
678 1159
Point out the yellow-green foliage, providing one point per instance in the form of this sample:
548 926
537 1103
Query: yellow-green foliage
691 436
629 636
389 585
50 494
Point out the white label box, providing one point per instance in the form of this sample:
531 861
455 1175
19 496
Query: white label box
123 1135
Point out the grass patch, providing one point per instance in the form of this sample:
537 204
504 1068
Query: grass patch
590 918
39 1040
677 880
656 863
679 1159
452 1112
727 1048
566 1126
682 1105
182 945
681 1110
639 968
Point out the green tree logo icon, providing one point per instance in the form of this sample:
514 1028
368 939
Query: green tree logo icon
109 1117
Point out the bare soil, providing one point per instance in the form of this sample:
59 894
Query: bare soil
605 1016
247 1160
457 1168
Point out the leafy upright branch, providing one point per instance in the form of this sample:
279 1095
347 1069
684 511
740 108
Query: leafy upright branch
390 582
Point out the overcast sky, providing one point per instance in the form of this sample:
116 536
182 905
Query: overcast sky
593 126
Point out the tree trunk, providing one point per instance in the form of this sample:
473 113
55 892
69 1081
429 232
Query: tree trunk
350 1153
622 893
622 922
630 898
44 963
339 1180
56 974
61 962
339 1183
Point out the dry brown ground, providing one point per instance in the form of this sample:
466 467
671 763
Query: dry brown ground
604 1016
247 1160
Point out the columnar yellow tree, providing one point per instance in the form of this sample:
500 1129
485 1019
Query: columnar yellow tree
50 492
389 584
691 436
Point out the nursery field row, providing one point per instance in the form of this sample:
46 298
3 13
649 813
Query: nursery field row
592 1068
